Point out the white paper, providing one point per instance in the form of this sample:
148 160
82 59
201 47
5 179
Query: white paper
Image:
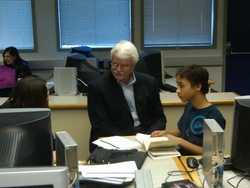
115 170
116 181
117 142
139 137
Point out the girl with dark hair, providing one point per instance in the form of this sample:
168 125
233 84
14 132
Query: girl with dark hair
29 92
12 59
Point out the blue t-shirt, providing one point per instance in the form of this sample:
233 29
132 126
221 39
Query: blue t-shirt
191 123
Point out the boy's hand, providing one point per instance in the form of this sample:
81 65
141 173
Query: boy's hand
158 133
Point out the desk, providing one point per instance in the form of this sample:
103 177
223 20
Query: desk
172 81
69 113
159 169
227 175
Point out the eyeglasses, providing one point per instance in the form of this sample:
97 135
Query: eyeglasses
123 67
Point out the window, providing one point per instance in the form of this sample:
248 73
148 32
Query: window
16 27
178 23
93 23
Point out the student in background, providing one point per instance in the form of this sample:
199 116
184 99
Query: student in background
192 87
12 59
29 92
123 102
7 77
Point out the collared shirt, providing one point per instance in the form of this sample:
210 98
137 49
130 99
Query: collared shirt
128 91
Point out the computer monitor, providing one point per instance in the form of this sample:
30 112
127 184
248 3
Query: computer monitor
85 50
85 71
151 62
25 137
42 177
67 155
240 148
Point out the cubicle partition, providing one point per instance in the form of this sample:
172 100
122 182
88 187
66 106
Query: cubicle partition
69 113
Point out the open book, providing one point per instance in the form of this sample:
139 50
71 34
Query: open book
158 147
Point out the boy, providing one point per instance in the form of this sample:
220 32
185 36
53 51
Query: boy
192 87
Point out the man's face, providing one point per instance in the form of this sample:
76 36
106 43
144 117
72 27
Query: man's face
122 69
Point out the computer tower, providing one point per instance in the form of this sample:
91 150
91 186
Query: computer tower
67 155
65 81
213 152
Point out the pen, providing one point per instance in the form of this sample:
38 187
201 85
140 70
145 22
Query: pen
109 144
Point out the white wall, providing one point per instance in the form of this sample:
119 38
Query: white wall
47 51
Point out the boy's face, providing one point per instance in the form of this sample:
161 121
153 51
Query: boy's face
186 92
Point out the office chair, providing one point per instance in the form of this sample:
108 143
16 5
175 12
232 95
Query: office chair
85 50
85 71
5 92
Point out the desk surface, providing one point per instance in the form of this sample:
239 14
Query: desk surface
226 176
172 81
167 98
159 170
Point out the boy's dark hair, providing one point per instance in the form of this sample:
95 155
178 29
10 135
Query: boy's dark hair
196 74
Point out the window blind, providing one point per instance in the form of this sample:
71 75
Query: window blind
93 23
177 23
16 27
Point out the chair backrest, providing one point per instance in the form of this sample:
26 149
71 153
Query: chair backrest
85 71
5 92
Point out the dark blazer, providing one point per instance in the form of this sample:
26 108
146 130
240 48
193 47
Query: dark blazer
109 112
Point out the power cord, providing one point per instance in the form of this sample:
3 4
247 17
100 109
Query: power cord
73 182
181 172
219 169
82 82
245 176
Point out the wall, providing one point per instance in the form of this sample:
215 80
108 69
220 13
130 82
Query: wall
47 53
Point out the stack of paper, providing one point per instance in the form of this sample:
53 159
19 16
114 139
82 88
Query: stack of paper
117 173
117 142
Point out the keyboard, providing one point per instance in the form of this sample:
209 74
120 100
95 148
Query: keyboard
143 179
168 87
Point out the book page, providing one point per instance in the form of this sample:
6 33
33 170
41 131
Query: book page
139 137
158 143
169 152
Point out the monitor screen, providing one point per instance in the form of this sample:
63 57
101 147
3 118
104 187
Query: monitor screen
34 177
240 149
25 137
85 71
151 62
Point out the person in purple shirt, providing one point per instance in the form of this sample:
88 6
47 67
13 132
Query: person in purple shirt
8 77
12 59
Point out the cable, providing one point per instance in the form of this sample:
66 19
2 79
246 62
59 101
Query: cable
215 167
74 180
240 181
170 173
245 175
82 82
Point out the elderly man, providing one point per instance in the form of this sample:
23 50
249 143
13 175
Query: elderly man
123 102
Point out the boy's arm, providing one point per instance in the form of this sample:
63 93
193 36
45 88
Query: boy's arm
174 132
192 148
